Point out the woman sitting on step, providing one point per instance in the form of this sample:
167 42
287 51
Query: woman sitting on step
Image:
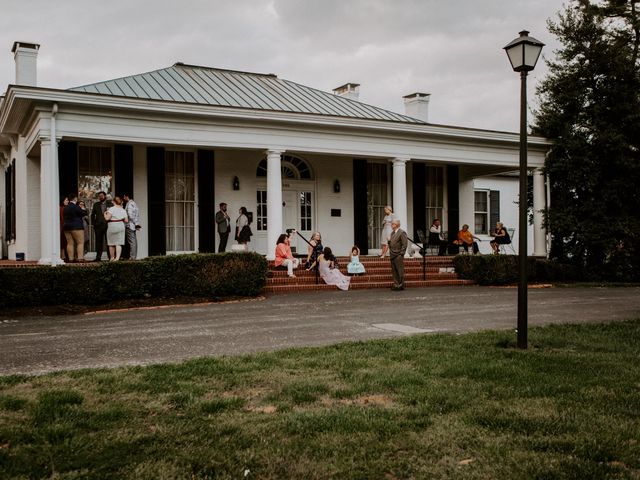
284 257
329 272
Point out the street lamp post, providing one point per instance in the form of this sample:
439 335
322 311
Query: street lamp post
523 53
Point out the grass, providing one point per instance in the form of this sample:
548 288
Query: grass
435 406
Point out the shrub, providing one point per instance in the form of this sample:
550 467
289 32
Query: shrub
197 275
503 269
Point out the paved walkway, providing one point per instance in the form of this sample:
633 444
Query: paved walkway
138 337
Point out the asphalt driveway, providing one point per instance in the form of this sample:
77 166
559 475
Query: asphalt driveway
33 345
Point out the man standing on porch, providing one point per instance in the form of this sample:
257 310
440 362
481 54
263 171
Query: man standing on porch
224 222
397 249
100 224
133 213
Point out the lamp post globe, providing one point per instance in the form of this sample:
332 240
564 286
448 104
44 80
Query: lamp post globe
523 53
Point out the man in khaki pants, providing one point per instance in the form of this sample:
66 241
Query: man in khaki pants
397 249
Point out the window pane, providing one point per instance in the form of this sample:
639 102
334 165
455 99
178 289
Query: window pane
481 223
261 210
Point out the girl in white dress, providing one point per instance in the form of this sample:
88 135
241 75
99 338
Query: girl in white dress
330 273
386 230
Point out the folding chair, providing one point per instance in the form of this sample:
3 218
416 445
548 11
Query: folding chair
430 249
505 246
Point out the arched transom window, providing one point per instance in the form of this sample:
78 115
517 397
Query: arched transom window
292 168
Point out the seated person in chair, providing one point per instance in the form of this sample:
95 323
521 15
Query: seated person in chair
500 237
437 238
466 240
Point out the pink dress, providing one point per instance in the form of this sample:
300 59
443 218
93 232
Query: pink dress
333 276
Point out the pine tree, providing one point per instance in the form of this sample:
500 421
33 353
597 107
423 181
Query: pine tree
590 109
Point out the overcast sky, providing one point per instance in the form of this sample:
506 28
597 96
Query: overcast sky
451 49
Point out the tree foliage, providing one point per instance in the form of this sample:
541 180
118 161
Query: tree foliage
590 108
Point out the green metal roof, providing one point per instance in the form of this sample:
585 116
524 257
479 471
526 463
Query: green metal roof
228 88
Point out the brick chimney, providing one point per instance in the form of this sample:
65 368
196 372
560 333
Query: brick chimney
348 90
26 56
416 105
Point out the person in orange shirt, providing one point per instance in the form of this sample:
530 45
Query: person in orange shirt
466 239
284 257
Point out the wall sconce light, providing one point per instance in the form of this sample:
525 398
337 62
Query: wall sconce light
236 183
336 186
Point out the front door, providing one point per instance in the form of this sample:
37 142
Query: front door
296 213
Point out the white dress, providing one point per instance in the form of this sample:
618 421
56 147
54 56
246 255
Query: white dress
333 276
386 229
116 226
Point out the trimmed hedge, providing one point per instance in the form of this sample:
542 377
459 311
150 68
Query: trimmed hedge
196 275
503 269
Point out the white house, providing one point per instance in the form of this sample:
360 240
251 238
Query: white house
184 138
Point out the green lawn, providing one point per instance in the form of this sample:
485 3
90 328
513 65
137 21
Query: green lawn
431 406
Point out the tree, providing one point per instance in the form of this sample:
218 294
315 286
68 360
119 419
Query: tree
590 109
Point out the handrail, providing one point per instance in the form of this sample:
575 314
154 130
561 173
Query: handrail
423 252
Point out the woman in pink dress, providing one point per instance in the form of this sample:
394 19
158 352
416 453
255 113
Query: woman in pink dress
329 272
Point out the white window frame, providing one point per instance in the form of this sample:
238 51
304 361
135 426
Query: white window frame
487 213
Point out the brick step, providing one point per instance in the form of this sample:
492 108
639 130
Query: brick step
358 286
360 279
370 271
408 262
367 260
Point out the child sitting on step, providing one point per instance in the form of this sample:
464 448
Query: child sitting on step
355 267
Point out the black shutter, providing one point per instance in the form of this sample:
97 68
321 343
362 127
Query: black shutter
123 171
10 201
453 199
68 168
494 209
156 195
206 201
419 198
360 220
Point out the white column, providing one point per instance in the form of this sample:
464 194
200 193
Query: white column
467 200
48 218
274 201
539 233
400 190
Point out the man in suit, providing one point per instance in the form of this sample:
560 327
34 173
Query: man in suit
397 249
224 222
100 224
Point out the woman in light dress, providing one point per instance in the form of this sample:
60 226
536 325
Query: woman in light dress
116 219
386 230
355 267
329 272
